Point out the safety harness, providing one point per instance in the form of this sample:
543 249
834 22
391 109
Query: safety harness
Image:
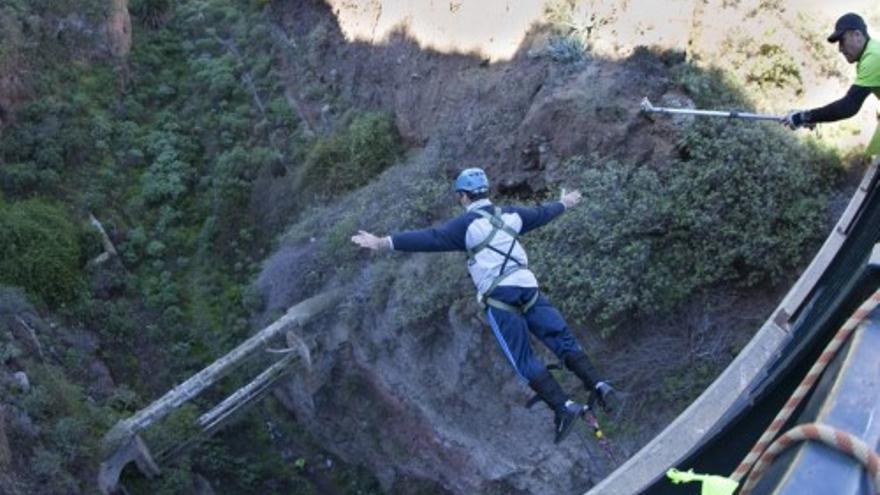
497 223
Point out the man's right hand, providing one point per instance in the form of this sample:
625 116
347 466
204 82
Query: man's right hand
367 240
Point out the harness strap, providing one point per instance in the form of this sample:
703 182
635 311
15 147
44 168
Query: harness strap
497 223
495 303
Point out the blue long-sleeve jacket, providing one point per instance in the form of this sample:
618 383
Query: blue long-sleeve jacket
469 229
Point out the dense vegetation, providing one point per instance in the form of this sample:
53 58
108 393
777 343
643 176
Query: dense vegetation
738 207
40 251
165 152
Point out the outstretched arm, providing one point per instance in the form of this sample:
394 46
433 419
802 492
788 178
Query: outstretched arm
843 108
447 237
542 215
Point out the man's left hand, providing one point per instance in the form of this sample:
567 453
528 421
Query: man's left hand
794 119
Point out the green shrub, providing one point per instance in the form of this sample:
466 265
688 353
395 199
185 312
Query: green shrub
12 300
742 206
353 156
152 13
23 179
72 427
711 88
412 196
49 467
166 179
39 250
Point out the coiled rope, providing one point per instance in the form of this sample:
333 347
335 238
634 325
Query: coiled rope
806 384
837 439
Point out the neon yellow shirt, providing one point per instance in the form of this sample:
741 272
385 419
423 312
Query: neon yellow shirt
868 76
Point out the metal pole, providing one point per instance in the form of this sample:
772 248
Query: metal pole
647 107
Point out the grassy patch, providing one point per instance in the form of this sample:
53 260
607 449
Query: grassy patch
39 250
351 157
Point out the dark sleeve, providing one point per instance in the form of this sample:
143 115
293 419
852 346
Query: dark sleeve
447 237
533 218
843 108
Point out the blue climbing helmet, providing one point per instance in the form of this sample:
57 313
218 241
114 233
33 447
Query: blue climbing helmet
472 180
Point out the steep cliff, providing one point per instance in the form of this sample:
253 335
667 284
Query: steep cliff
231 149
407 380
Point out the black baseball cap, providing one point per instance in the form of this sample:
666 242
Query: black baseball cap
848 22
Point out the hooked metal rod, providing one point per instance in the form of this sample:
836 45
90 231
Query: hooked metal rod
647 107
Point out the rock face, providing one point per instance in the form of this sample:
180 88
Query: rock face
12 66
118 27
78 37
435 401
436 404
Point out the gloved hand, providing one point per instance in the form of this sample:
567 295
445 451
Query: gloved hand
796 119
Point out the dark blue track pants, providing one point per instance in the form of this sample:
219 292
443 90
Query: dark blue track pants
512 330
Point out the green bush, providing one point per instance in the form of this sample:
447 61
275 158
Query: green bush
166 179
353 156
12 301
712 88
72 428
152 13
39 250
405 197
23 179
742 206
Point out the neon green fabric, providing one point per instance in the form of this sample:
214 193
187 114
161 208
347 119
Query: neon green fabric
868 76
874 145
712 484
868 67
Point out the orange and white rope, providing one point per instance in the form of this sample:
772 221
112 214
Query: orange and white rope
840 440
806 384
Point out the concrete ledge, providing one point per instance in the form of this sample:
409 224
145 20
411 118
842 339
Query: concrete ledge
667 448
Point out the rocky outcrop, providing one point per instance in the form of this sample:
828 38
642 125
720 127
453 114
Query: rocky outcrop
435 404
12 66
118 28
77 34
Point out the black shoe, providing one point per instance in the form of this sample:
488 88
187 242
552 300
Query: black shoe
605 396
565 418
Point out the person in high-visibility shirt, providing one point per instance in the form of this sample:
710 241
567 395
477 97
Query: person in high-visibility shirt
851 35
